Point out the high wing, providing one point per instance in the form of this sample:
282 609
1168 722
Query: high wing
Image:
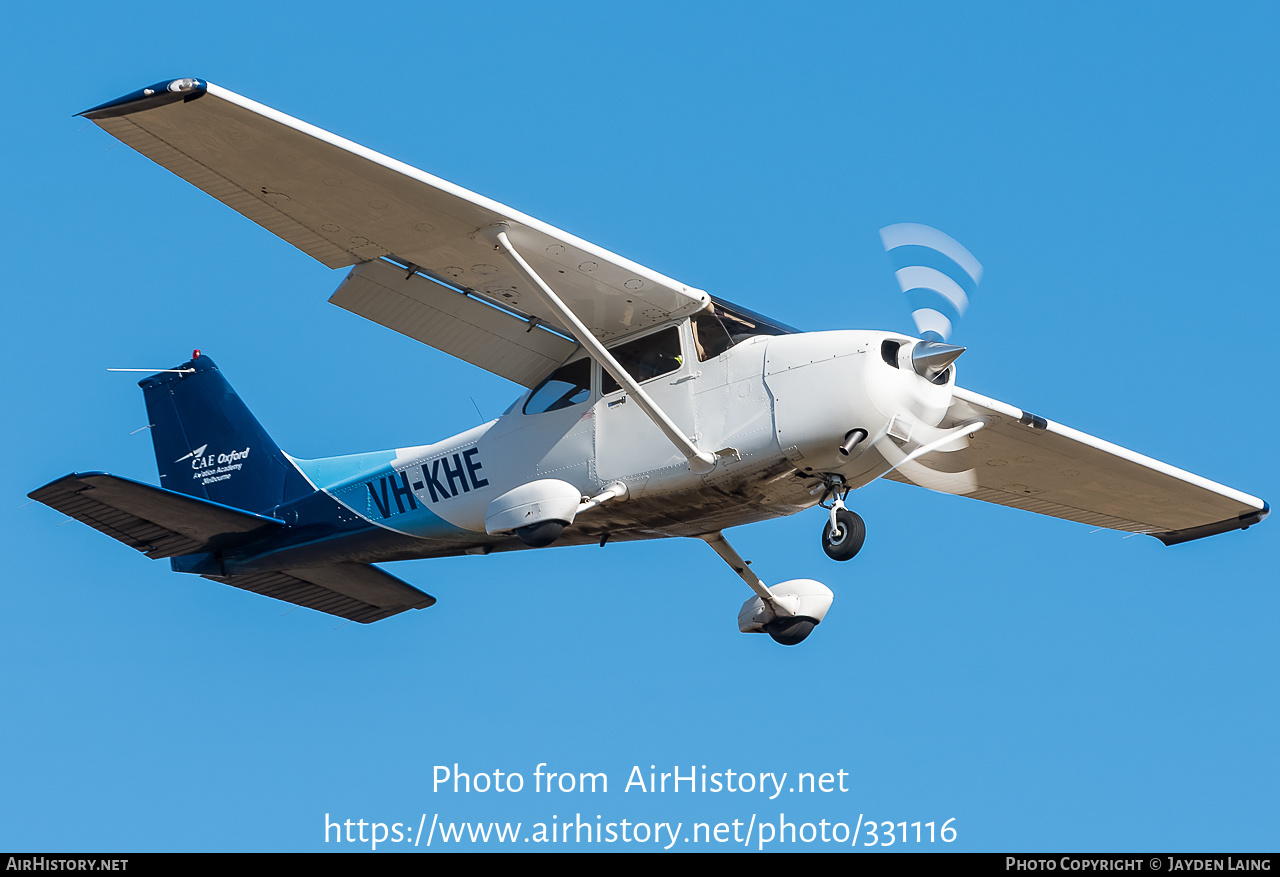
345 205
1024 461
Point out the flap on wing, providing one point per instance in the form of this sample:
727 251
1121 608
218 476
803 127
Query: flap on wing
155 521
453 322
1027 462
356 591
342 204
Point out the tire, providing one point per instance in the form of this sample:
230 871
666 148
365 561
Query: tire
790 631
853 532
542 534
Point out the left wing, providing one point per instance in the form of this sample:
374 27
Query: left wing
344 204
1021 460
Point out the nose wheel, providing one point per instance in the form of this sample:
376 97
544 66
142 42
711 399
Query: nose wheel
843 536
845 532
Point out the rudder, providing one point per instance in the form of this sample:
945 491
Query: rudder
209 445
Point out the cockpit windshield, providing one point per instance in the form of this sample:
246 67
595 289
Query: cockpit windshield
722 325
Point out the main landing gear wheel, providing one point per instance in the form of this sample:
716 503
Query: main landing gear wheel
542 534
846 541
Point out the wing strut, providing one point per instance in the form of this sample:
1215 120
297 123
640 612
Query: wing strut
721 546
700 462
787 612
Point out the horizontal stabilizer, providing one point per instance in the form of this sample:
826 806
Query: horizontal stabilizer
157 522
357 591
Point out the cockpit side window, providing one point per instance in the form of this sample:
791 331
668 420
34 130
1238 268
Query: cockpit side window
645 358
567 385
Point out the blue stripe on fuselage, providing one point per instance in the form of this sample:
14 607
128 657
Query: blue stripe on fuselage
320 529
401 498
328 472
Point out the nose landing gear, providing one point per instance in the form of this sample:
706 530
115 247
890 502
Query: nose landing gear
845 532
843 536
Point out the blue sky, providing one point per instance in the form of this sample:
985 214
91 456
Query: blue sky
1046 687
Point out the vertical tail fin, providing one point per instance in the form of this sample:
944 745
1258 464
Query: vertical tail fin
209 445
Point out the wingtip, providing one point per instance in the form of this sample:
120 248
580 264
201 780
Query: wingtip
1243 522
161 93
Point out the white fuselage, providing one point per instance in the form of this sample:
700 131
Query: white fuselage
774 408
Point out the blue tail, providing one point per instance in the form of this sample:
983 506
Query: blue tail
217 465
209 445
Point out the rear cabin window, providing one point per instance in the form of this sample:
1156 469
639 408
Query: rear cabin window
567 385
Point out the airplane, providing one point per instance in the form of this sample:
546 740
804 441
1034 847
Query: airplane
651 410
